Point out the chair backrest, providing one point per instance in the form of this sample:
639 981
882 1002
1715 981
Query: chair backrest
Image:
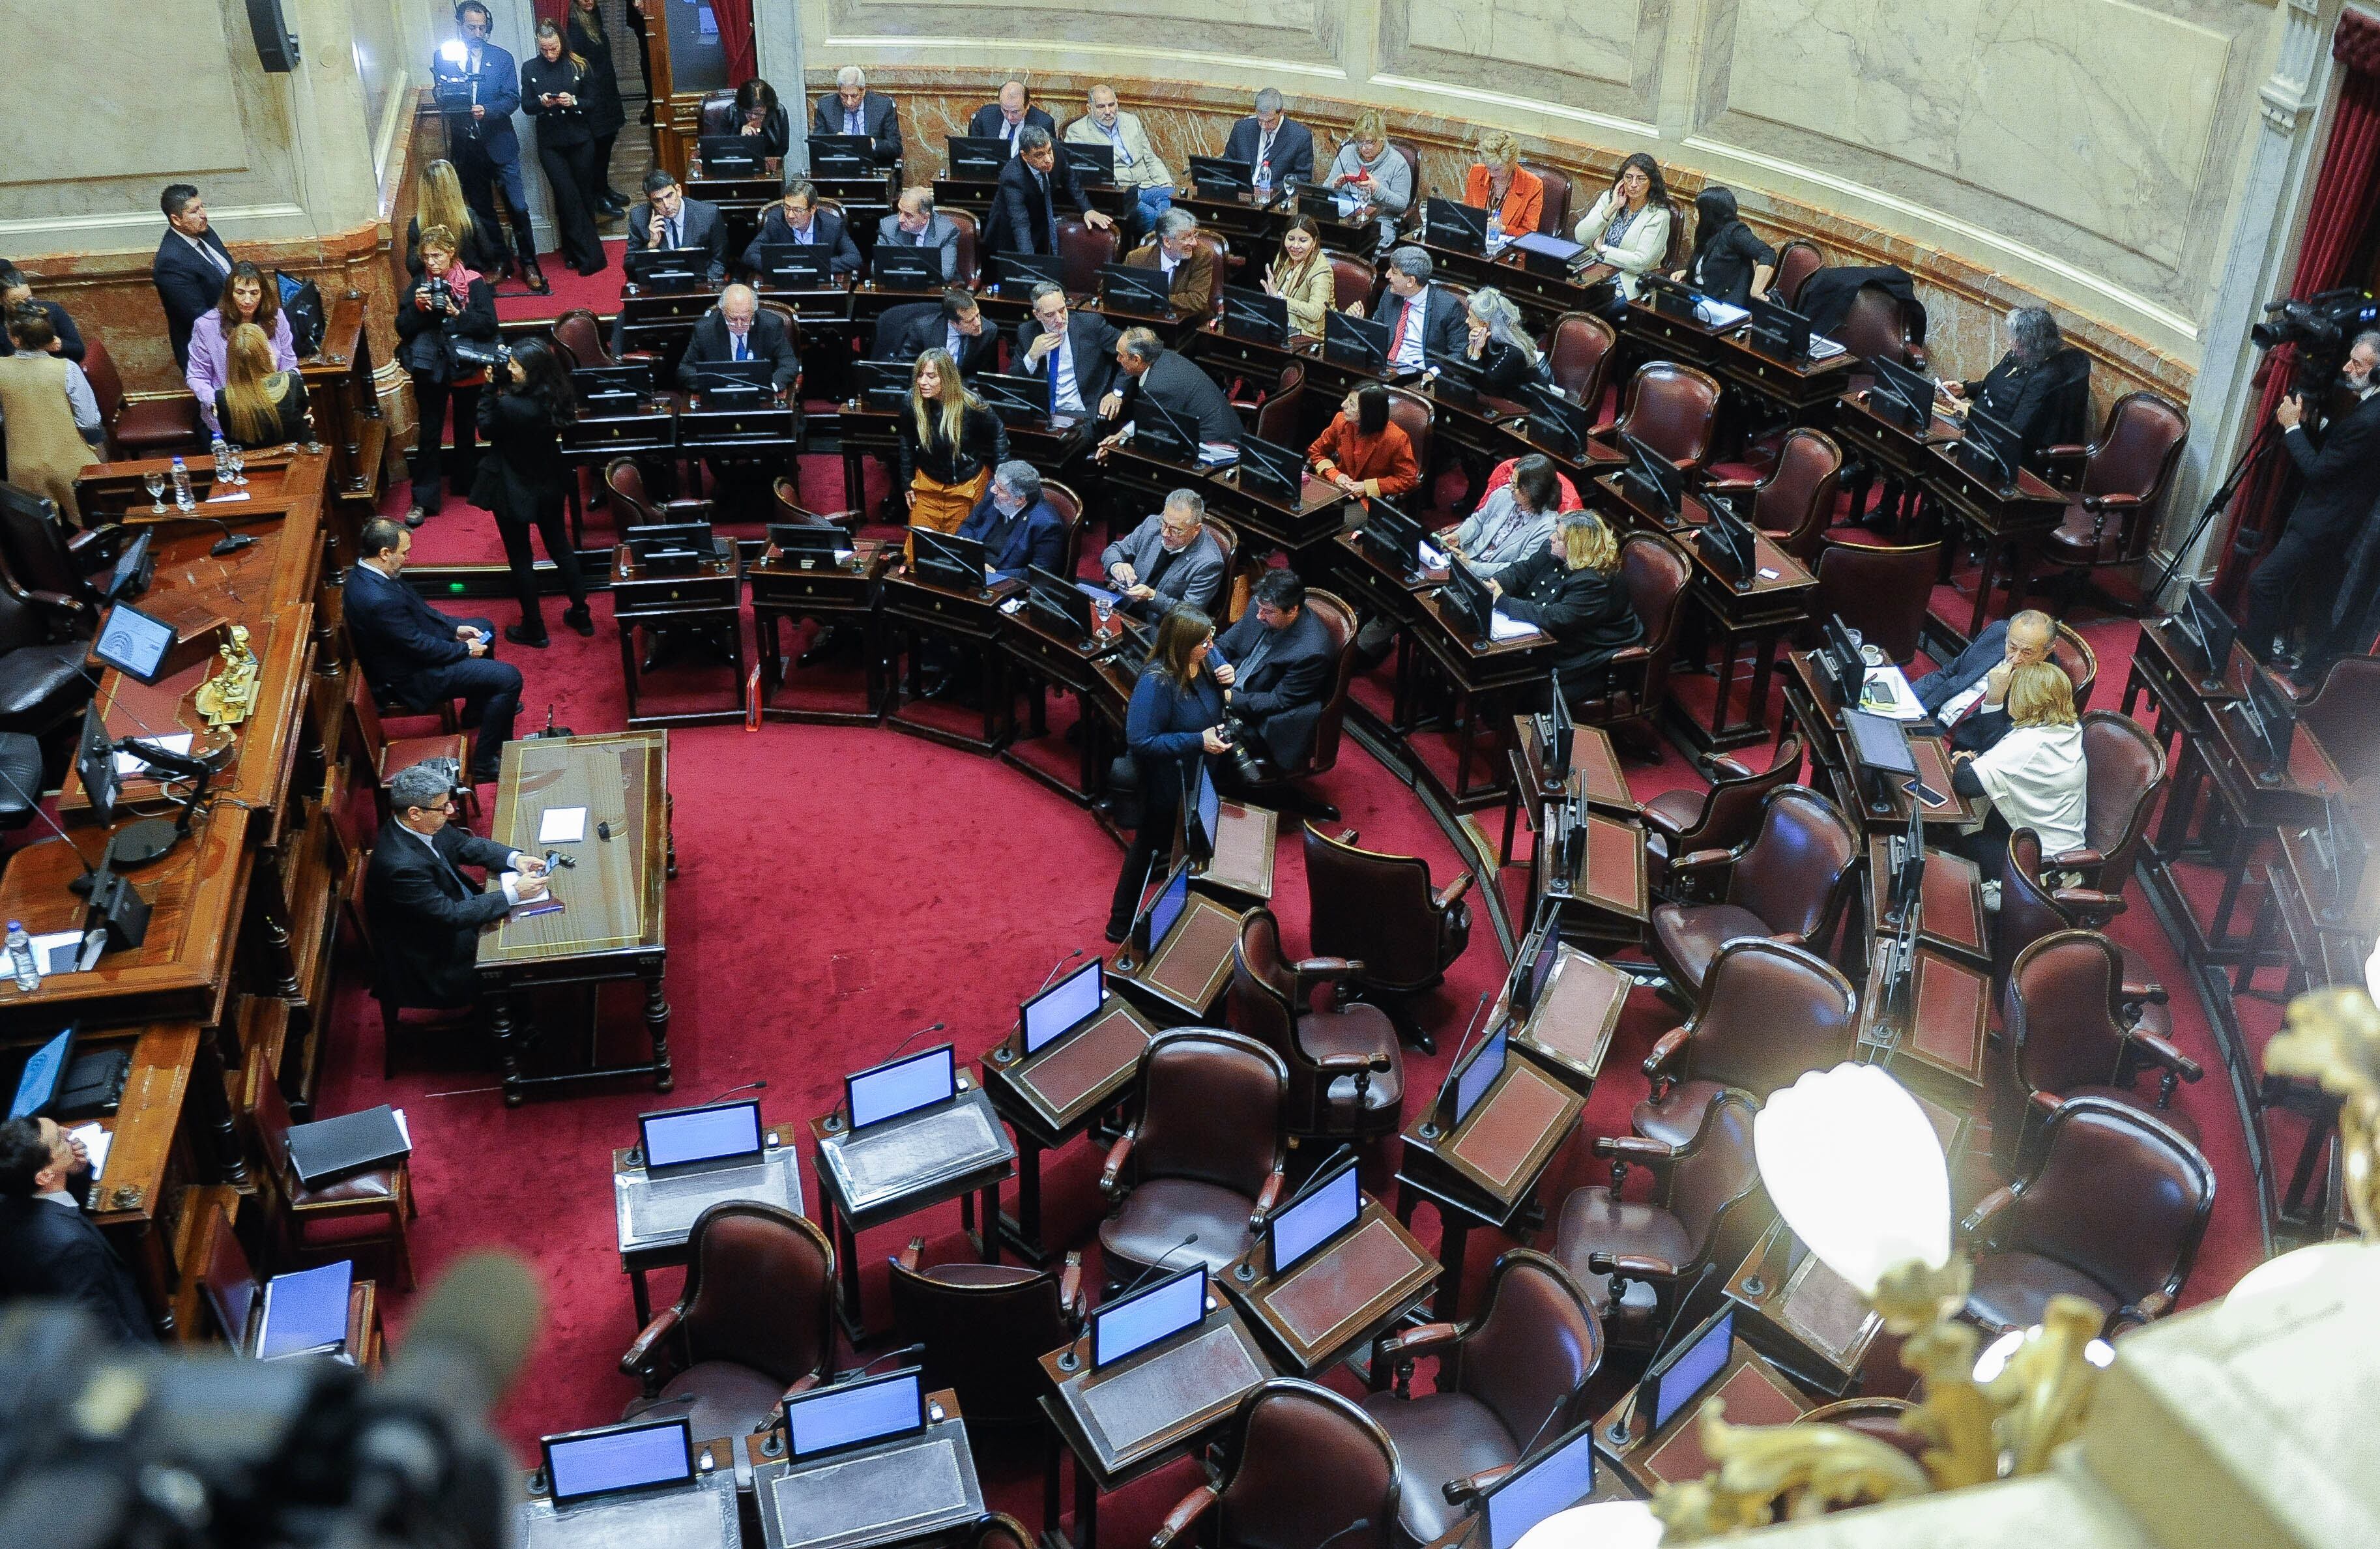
1671 409
716 113
626 482
1731 807
2065 1013
785 505
1881 591
33 546
364 716
2344 716
19 625
1218 244
228 1280
1277 416
1796 261
106 382
1656 572
1531 1350
786 315
1554 218
969 243
760 1292
2027 912
2137 450
1578 352
1794 872
2118 1195
1411 154
2081 663
1069 507
2127 770
1307 1467
580 337
1366 904
984 1326
1769 1014
271 1113
1871 326
1415 415
1351 280
1211 1109
1796 503
1083 252
1715 1177
1340 619
1264 989
1229 601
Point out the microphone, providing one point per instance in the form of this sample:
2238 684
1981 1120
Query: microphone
930 1027
1619 1429
907 1353
1430 1130
1003 1054
229 543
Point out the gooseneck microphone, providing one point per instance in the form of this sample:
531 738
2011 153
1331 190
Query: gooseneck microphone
1002 1054
747 1086
1068 1360
1430 1130
930 1027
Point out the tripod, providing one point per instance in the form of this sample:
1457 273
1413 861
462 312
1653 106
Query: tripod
2260 446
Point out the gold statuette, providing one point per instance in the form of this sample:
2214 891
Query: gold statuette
229 693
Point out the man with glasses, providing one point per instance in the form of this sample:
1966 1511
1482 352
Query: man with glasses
477 87
852 109
1169 559
418 656
426 915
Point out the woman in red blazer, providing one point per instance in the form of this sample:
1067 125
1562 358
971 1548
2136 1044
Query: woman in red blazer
1497 181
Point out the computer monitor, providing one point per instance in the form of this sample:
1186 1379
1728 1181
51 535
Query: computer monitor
1556 732
1991 449
95 762
1273 471
1395 537
1534 970
44 1073
1840 659
1727 542
1065 1006
1327 1206
1901 393
802 540
899 1086
1778 332
723 383
1468 602
1555 1480
1165 435
1458 380
1202 814
130 575
731 155
1681 1378
1656 479
1215 178
2341 850
948 560
671 546
883 384
667 269
1065 604
1016 399
133 643
842 156
977 158
795 265
1091 163
612 389
684 1137
853 1414
2205 632
919 269
1157 921
637 1455
1880 753
2272 717
1132 1323
1362 342
1126 287
1905 857
1022 271
1478 1074
1250 314
1667 298
1555 421
1454 225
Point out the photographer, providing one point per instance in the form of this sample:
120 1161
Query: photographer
446 334
2341 471
523 480
1275 668
1176 714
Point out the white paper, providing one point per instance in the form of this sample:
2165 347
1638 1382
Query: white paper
1720 314
562 825
67 947
220 496
1904 699
1432 556
95 1141
131 763
1824 348
1501 628
402 1128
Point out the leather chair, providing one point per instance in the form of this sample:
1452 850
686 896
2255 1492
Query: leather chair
1411 151
1218 244
584 342
41 683
1768 1015
754 1324
1207 1154
785 508
1554 219
1876 1417
1636 1261
1083 250
1282 789
2081 663
998 1530
2031 908
1672 409
1788 884
394 1030
2112 513
51 570
1796 261
20 782
1346 1073
1379 910
625 477
1351 280
792 319
1278 414
1233 599
1511 1380
2067 1038
2113 1212
1874 324
1579 353
1300 1466
382 756
2344 716
1416 416
1720 818
716 112
2127 770
969 246
1069 507
1796 503
1636 680
986 1326
381 1202
163 426
1882 592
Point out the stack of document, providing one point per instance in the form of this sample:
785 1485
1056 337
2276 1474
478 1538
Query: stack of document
1719 314
1501 628
1214 454
1887 693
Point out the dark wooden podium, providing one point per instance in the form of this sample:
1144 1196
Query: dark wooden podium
1485 1170
1340 1299
1756 1394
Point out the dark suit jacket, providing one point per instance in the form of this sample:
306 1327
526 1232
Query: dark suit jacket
1587 612
425 917
1091 338
1036 534
826 231
767 341
909 331
499 93
1445 326
1292 148
876 110
698 226
69 338
988 122
1021 220
187 284
398 637
2341 472
1282 696
49 1251
1194 284
2044 405
1174 384
942 234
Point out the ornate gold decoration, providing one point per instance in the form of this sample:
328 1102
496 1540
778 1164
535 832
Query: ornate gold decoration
2333 1039
230 694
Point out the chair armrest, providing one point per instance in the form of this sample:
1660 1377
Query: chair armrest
907 1257
633 1363
1415 1343
1630 657
1184 1514
2075 860
2110 502
1719 765
1631 1267
1730 486
1112 1169
1634 1149
798 1386
1917 354
1702 860
1070 1290
2162 1051
1352 1064
1980 1216
1445 898
1276 1183
2146 991
1664 1050
2066 453
68 610
1463 1491
2088 899
2148 1309
1314 971
94 547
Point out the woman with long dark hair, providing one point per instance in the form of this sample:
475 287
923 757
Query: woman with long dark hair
1301 276
758 114
448 304
554 91
1729 263
523 481
250 295
605 114
1176 717
1363 451
1629 226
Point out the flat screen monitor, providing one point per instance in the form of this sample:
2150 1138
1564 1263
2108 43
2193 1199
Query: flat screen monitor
807 540
37 1087
616 1460
1656 479
1092 164
1778 332
2273 716
133 643
683 1137
1022 271
1727 544
795 265
1205 810
1555 422
2339 845
1157 920
129 578
1667 298
1452 225
1561 732
919 269
948 560
1014 398
883 384
1051 597
1127 287
842 155
1458 380
1063 1007
671 545
1134 1323
2206 632
1907 854
1479 1073
1275 472
731 155
1905 395
1328 1207
1540 970
1844 664
1991 449
667 269
1395 536
1217 178
1878 743
95 762
1681 1378
1163 433
977 157
725 379
855 1414
901 1086
1362 342
1250 314
1556 1480
1468 601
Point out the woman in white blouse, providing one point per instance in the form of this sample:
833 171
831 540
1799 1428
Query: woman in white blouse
1629 227
2036 777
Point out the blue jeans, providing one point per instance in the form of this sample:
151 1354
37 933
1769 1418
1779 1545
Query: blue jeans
1155 200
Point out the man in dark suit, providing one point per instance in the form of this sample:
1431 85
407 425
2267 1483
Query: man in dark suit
190 267
426 916
1015 110
1015 525
1169 559
1276 667
2343 481
852 109
738 330
1074 352
410 651
1188 263
48 1247
1026 202
1969 694
668 219
17 290
1155 374
477 93
955 323
798 220
1425 321
915 223
1272 142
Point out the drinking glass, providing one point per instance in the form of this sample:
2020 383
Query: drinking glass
238 463
156 484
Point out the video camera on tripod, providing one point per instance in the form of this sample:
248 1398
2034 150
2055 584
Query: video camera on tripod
2322 328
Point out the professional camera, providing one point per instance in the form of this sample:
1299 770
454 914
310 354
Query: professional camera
1245 761
439 291
2321 327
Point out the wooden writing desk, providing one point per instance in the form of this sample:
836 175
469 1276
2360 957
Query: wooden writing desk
1058 1092
1339 1299
968 622
704 599
1098 672
614 922
1809 1321
1610 899
703 1515
1595 773
1244 839
1937 1046
783 591
1803 391
655 1217
1756 1394
1485 1170
1811 706
1951 902
864 1513
1186 970
1569 1029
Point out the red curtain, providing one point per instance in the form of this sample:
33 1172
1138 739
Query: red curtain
734 18
2345 194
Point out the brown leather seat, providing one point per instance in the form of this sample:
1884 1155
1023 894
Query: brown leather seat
1768 1015
2112 515
2113 1212
53 567
1346 1073
1379 910
1635 1260
1875 324
1415 415
1069 507
1278 414
716 112
2344 716
1083 250
786 509
1206 1155
1796 261
1796 503
2127 770
1218 244
2031 908
2068 1036
754 1323
1672 409
144 428
625 477
986 1326
1579 353
582 340
2078 661
1351 280
1636 680
1411 151
1876 1417
1787 884
42 682
379 1201
1233 601
999 1531
969 245
1880 591
1513 1378
1554 216
383 755
1301 1466
1683 821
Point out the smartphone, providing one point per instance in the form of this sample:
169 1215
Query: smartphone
1925 794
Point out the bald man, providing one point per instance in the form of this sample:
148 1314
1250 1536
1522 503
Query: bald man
738 329
914 222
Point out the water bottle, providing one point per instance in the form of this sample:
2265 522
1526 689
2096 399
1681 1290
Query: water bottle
20 958
1495 229
223 464
182 486
1264 180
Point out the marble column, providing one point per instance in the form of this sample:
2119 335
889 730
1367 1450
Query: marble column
777 32
514 31
333 135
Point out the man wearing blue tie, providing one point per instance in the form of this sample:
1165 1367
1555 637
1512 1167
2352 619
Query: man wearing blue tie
738 330
1074 352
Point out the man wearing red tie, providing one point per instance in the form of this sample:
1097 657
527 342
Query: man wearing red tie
1423 322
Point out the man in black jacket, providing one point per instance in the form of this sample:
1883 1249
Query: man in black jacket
738 330
1276 667
955 323
798 220
668 219
1014 111
15 290
190 267
1026 202
1154 374
2342 481
426 916
412 652
48 1247
852 109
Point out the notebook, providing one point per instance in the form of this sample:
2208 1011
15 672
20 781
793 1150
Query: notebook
333 1148
306 1313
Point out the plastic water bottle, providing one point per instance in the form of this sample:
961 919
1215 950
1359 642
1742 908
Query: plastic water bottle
182 486
1495 229
223 464
20 958
1264 180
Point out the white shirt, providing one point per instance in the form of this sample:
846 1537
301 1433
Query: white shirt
1409 353
510 881
2037 778
1070 392
954 341
1166 261
206 251
1959 704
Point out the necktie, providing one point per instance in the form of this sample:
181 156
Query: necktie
670 230
851 121
1397 339
206 249
462 888
1049 365
742 353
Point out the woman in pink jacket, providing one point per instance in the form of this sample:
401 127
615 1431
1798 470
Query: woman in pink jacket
249 296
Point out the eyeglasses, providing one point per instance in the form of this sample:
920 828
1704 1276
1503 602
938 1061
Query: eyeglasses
1179 529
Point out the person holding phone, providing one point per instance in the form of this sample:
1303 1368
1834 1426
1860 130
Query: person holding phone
555 86
446 307
1374 175
1176 716
524 481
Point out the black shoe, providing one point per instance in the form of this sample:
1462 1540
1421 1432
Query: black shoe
1117 932
416 517
534 277
535 639
484 774
579 620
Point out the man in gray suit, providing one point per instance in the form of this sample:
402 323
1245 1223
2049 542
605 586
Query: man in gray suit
915 223
668 219
1169 559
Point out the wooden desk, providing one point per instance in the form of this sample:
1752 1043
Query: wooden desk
1906 457
1340 1299
1811 707
1804 392
1187 970
784 591
1803 1316
1568 1030
1058 1092
613 924
1245 838
968 623
1756 1394
1595 773
1097 672
765 1452
2002 524
1950 903
1611 899
703 1515
706 599
1488 1170
646 1246
1938 1046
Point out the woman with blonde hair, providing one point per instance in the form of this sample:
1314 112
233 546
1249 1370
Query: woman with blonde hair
1571 589
949 443
443 204
1301 276
262 403
1373 175
2036 777
555 86
249 296
1500 184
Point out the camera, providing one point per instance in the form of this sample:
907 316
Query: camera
2321 327
438 290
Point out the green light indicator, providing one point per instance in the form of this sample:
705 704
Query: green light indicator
456 587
